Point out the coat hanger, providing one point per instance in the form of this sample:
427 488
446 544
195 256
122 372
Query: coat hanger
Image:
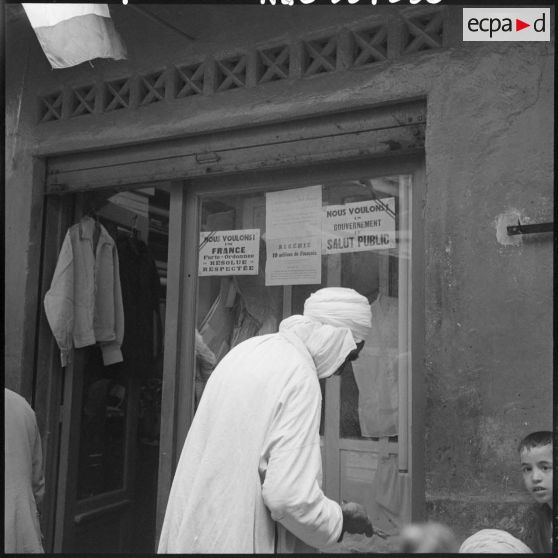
134 233
134 239
91 212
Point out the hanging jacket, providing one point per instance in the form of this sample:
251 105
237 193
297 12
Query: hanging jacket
251 462
84 303
24 483
141 290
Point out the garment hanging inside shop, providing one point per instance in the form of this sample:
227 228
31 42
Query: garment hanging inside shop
84 303
205 363
141 291
376 371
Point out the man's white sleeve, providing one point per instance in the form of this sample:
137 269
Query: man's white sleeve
292 476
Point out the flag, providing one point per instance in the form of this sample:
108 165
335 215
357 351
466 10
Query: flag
73 33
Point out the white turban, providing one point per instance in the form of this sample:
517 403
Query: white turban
493 541
328 346
340 307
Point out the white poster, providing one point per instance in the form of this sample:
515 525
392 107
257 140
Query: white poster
229 252
293 237
359 226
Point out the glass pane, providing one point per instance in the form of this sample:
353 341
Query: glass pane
121 403
349 408
369 405
359 230
102 437
234 303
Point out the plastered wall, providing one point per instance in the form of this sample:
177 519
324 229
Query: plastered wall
489 161
489 296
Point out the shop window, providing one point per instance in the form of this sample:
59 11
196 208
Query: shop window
152 88
138 222
320 56
83 100
262 254
190 80
423 32
51 107
370 45
273 64
102 440
230 73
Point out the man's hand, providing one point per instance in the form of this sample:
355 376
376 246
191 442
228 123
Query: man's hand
355 520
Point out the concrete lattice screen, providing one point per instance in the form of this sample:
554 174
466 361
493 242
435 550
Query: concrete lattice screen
310 56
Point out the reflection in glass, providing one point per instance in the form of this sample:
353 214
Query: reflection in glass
376 371
349 415
366 245
234 307
102 439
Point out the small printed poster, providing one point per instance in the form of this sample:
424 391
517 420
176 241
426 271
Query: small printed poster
293 261
293 237
359 226
229 252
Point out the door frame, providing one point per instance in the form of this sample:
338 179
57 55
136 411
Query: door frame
383 133
49 379
260 181
64 390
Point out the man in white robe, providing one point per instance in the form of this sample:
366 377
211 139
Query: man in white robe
24 483
250 472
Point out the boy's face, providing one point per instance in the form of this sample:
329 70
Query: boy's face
536 466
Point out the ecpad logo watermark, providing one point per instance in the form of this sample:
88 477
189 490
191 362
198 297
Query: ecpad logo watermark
506 24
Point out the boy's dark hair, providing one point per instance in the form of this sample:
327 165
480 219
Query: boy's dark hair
535 440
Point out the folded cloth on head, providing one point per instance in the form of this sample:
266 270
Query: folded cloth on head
340 307
493 541
328 346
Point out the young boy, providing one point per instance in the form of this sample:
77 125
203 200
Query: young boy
535 452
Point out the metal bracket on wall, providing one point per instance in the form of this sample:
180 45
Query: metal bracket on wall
528 229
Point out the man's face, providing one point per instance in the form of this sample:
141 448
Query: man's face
536 467
353 355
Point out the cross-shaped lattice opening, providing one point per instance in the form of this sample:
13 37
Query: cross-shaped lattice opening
83 100
320 56
117 95
152 88
273 64
51 107
424 32
190 80
370 45
230 73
